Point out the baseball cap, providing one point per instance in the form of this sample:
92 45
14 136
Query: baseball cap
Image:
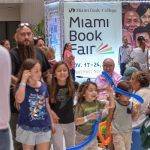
128 73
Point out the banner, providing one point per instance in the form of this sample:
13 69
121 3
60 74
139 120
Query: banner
136 22
95 31
53 28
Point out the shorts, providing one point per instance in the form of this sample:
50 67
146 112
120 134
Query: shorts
32 138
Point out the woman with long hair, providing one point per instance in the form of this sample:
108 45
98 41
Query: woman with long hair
140 54
69 59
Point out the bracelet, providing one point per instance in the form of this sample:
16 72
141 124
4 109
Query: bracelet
23 84
85 119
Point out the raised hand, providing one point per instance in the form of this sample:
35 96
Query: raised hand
25 76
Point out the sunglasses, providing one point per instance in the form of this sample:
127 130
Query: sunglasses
21 25
38 38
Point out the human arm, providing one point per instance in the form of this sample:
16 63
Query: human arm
50 114
20 93
111 97
68 57
136 109
110 117
84 119
81 118
55 117
109 102
108 121
111 106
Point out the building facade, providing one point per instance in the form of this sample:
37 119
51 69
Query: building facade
12 12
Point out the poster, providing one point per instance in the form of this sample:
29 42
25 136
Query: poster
95 31
53 28
136 22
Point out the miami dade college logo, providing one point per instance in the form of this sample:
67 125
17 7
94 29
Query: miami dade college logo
71 10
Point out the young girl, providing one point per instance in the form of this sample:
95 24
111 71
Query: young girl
34 122
121 118
62 94
87 112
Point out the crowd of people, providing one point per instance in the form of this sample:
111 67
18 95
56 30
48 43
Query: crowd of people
42 90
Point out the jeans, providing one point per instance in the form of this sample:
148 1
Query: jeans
122 68
4 139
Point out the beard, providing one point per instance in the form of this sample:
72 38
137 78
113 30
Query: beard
26 50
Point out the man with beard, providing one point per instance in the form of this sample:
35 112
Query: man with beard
25 49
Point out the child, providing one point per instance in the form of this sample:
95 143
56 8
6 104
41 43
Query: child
121 118
34 122
87 112
62 94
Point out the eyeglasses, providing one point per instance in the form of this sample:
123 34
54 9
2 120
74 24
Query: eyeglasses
21 25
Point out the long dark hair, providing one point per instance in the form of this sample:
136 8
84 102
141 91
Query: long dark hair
82 89
141 41
28 64
66 45
54 83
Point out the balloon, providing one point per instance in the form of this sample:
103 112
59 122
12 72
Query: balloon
109 79
103 129
104 141
137 97
89 139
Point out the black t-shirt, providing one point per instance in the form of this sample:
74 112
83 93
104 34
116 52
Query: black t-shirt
64 105
16 65
16 62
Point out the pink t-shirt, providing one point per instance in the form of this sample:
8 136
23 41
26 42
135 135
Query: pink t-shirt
5 78
103 83
68 55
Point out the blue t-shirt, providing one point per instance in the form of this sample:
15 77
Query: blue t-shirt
33 114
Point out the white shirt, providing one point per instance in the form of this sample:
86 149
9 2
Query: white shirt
145 94
5 78
141 57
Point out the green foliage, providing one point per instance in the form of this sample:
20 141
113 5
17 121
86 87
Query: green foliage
38 29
